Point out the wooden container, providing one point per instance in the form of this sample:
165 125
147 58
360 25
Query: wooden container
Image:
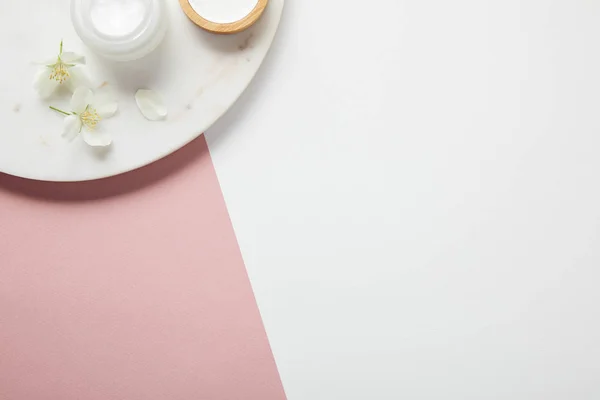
224 28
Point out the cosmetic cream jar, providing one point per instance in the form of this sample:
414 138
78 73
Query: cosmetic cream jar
224 16
120 30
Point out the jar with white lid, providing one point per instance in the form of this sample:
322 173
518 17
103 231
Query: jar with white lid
121 30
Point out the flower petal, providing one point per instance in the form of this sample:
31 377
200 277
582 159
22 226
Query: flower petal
151 104
82 97
71 127
43 84
77 79
107 110
72 58
50 62
105 103
97 138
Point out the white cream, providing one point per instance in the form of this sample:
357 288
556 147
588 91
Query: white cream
223 11
118 17
121 30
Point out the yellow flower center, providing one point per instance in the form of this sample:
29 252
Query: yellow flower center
60 72
90 118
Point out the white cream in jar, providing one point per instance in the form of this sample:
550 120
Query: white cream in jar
121 30
223 11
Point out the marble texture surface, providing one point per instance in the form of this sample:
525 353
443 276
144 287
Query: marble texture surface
200 75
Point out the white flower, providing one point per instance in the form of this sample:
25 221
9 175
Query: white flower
151 105
87 111
59 71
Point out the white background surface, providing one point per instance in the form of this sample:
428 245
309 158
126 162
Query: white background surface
414 186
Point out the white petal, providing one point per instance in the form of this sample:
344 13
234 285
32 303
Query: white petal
77 79
47 63
107 110
97 138
71 127
82 97
72 58
43 84
151 104
105 103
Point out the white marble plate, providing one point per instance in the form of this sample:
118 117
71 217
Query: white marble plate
199 74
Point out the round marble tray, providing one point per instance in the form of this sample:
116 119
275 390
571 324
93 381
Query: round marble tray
199 74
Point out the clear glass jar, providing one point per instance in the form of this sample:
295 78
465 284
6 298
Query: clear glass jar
121 30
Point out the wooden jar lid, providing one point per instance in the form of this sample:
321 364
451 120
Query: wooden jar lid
227 28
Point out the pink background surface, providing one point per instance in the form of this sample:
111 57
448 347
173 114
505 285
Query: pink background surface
128 288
